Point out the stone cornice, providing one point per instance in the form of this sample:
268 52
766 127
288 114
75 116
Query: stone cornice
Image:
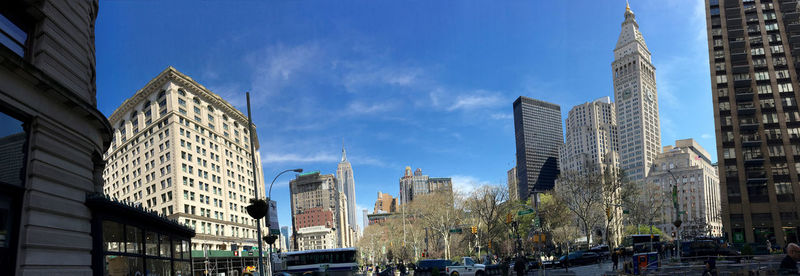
188 84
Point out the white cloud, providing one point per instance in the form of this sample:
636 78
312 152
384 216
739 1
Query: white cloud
479 99
466 184
706 136
369 73
502 116
361 108
296 158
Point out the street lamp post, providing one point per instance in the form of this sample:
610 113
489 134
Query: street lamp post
677 221
271 240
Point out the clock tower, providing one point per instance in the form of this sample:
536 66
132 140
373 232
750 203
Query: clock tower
636 100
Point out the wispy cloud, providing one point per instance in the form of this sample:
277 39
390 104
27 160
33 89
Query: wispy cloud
361 108
706 136
297 158
476 100
502 116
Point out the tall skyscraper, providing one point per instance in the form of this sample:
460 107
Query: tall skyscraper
285 236
182 150
537 128
364 219
344 175
415 184
591 137
753 56
513 184
636 100
698 189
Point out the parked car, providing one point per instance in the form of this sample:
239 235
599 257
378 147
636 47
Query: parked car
601 250
425 267
579 258
469 268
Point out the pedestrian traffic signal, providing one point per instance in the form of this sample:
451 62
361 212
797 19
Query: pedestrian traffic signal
673 234
474 229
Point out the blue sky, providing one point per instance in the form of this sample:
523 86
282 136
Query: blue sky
427 84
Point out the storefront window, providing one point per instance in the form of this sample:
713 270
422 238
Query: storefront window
151 243
113 236
133 239
164 246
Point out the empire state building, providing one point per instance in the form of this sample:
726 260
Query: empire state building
636 100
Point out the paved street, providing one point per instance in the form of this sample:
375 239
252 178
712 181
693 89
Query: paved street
593 269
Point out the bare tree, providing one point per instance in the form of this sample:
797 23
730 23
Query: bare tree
582 194
485 206
617 189
440 212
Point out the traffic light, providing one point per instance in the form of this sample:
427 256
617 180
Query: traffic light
474 229
236 253
490 244
542 239
508 218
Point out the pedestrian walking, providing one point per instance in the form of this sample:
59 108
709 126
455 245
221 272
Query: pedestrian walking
615 259
710 267
519 266
789 263
769 246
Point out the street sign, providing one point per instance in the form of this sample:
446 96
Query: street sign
455 230
525 212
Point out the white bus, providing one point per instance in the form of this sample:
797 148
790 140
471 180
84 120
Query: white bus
337 261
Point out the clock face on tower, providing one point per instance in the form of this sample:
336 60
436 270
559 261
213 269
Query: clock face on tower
650 95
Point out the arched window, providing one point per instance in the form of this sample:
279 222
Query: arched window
133 115
224 117
210 108
162 94
181 92
196 100
146 105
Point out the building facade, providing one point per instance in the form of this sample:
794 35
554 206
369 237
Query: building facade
180 149
385 203
538 133
753 56
317 202
591 137
415 184
636 101
698 195
344 176
55 220
512 184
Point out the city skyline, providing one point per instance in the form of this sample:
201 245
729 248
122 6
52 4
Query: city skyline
425 91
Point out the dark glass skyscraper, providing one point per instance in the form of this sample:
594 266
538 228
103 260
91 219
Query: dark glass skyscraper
754 49
537 127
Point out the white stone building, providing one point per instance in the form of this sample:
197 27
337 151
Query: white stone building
698 189
591 137
180 149
316 237
636 100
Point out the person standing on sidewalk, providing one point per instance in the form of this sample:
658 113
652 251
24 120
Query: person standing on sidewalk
615 259
789 263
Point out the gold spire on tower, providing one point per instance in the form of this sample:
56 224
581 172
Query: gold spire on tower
627 6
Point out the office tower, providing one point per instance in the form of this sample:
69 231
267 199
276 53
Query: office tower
319 212
364 219
591 138
698 194
415 184
512 184
344 176
285 237
753 56
537 128
385 203
183 151
55 219
636 101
